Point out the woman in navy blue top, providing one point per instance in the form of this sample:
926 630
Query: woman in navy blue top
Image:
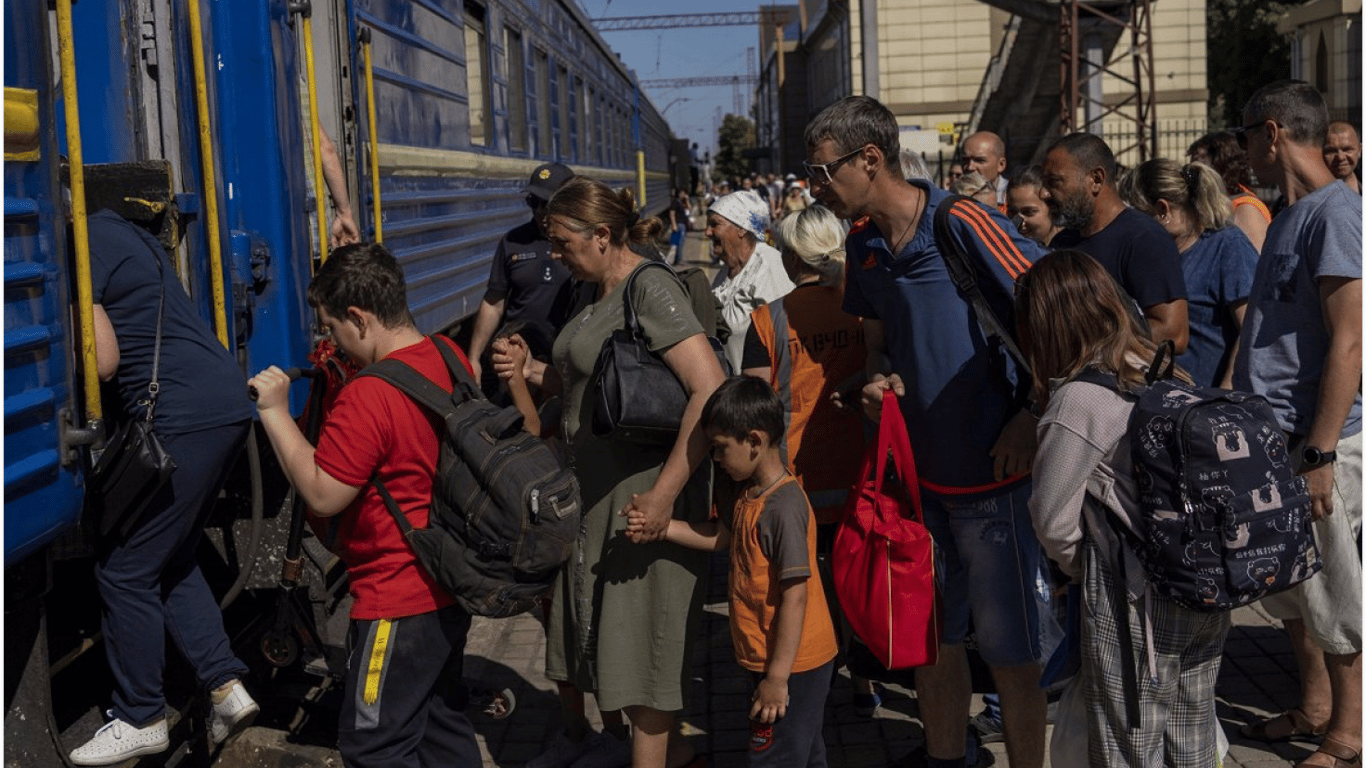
1217 259
149 579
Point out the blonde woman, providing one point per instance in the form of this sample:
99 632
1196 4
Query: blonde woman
1217 259
809 349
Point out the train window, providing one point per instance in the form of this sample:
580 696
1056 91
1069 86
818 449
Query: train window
512 42
476 55
566 145
615 146
543 103
581 117
609 136
594 123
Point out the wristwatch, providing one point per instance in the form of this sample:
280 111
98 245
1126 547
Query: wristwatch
1312 457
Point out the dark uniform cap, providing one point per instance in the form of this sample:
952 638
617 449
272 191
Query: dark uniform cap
548 178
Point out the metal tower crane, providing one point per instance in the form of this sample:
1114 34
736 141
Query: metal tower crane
678 20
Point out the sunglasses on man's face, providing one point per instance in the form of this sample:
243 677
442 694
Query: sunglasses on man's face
1241 133
821 173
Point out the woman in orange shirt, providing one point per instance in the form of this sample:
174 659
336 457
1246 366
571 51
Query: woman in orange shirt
821 353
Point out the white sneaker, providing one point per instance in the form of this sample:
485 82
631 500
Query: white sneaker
606 751
234 712
117 741
562 752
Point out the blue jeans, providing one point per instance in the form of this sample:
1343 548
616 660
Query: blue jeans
991 568
152 581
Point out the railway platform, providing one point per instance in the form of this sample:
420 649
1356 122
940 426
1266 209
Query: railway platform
1257 678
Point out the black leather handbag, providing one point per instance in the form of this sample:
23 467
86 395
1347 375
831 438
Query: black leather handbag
134 466
637 397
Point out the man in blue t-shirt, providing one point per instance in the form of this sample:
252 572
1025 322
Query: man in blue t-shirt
1301 348
1079 188
972 435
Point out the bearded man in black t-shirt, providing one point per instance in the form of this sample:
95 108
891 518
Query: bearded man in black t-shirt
1079 188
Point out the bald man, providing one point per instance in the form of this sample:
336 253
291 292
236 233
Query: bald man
985 153
1342 152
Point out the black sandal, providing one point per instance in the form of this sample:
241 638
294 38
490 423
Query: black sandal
1288 725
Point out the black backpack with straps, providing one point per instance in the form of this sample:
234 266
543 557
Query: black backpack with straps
505 511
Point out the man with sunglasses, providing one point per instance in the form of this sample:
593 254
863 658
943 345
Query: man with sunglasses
1301 349
523 280
960 396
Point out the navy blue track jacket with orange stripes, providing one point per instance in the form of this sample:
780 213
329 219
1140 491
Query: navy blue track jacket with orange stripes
960 390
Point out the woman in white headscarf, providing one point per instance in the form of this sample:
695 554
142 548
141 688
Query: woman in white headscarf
752 270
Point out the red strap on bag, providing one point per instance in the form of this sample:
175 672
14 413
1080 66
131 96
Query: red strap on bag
884 557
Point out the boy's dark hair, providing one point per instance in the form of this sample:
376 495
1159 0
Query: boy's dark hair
742 404
1089 151
363 275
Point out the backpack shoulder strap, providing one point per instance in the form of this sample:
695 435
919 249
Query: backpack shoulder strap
403 525
1099 378
964 276
777 312
421 389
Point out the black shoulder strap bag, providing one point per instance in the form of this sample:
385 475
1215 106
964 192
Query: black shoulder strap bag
637 398
134 466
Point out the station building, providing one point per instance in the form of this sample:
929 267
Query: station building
948 68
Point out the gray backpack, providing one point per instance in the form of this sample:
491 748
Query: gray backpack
505 511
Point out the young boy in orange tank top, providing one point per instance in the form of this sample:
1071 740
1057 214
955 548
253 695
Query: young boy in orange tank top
779 620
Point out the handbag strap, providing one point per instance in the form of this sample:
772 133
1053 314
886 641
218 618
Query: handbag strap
154 386
893 439
632 321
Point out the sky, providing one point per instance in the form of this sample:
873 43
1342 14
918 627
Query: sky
685 52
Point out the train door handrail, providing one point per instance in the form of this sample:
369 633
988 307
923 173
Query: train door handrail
305 11
201 98
375 210
85 298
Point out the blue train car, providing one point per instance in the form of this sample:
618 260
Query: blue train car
42 480
468 96
197 119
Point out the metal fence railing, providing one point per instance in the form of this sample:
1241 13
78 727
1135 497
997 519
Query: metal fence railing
1174 137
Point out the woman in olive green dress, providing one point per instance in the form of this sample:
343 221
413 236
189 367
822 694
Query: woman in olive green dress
624 613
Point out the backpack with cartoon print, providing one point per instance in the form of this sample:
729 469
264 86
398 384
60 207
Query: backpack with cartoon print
1228 521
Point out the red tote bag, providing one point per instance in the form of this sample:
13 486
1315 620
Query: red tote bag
884 557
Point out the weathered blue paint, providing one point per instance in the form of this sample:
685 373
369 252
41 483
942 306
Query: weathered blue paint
42 495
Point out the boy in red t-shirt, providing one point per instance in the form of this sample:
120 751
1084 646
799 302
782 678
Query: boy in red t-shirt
404 702
779 621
